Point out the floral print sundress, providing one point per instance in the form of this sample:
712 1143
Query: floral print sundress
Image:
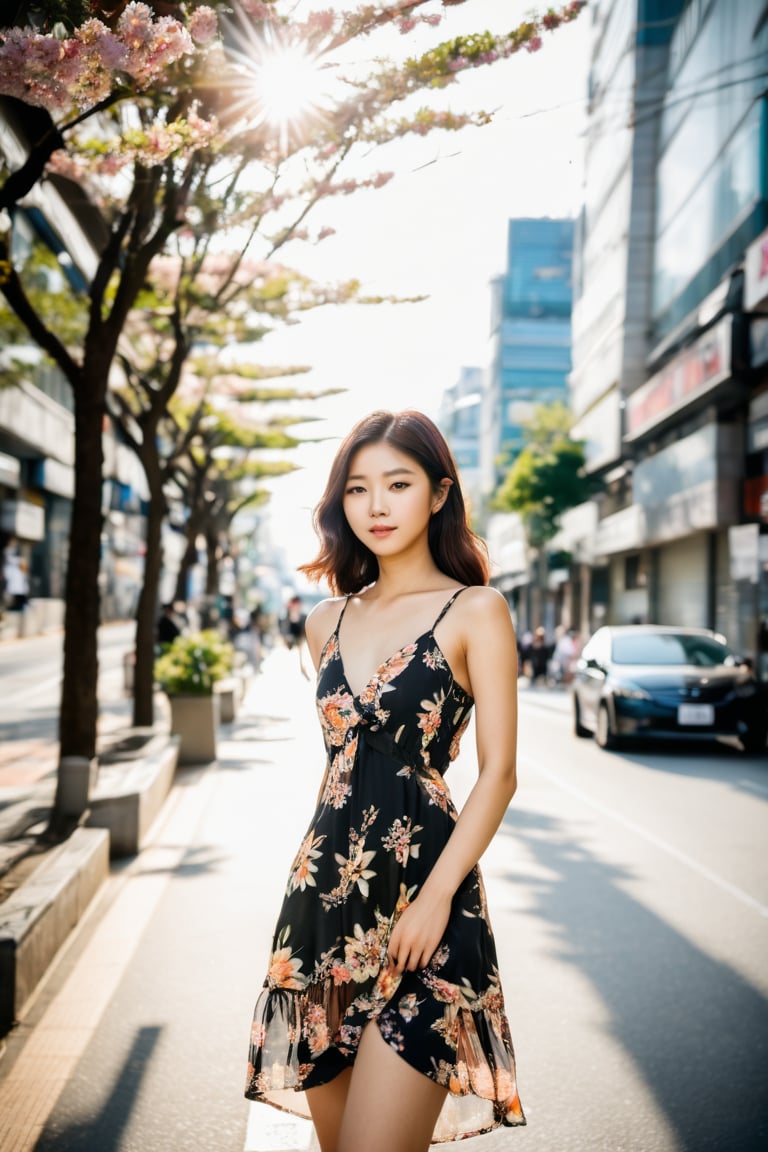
381 822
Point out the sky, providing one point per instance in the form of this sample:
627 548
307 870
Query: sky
438 229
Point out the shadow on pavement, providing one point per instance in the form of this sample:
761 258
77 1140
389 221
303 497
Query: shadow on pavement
695 1030
105 1130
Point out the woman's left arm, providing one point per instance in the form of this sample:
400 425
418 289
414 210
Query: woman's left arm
491 654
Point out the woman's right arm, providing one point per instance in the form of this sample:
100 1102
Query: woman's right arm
320 624
319 627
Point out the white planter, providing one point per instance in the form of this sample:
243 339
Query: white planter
228 693
195 720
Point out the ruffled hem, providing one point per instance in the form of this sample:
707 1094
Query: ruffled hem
300 1040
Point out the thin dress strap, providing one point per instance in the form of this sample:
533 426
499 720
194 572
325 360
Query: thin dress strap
341 616
445 607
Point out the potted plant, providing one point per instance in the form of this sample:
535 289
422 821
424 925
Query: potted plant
187 671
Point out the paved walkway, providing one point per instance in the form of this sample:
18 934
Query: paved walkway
28 768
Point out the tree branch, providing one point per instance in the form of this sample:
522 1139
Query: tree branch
13 290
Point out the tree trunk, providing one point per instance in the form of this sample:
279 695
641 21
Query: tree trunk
212 574
79 695
187 561
148 609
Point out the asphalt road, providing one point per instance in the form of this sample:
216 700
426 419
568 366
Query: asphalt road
30 679
629 894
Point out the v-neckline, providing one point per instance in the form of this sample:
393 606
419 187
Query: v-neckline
384 664
428 632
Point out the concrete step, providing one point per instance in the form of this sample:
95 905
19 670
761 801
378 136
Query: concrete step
37 919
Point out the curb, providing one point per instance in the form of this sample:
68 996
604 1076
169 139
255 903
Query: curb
39 916
37 919
129 795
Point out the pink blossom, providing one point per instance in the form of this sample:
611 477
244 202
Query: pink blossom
62 164
325 232
322 22
110 50
407 24
135 25
203 24
257 9
534 44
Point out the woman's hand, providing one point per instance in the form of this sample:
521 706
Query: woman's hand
416 935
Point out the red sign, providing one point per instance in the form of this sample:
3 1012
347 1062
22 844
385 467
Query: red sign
689 375
756 275
756 497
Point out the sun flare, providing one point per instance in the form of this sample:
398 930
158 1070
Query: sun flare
289 84
274 80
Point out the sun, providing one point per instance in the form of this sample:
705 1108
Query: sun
288 83
277 81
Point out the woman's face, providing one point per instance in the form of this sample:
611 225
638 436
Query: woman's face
389 499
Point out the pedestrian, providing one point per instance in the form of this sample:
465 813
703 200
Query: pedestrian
168 627
564 656
382 1001
537 655
296 631
295 622
16 579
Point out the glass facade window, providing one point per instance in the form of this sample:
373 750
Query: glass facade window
538 279
532 350
712 197
719 201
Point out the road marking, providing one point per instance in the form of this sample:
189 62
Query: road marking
37 687
652 838
30 1091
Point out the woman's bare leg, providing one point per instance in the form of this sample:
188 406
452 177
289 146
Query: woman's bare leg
390 1107
326 1103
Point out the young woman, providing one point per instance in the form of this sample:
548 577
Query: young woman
382 1007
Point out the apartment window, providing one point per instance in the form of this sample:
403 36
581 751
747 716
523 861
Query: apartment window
634 573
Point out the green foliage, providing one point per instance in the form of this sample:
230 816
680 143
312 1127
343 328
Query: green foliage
51 295
548 475
548 423
192 664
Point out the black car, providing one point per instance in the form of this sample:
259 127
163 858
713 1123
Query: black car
641 680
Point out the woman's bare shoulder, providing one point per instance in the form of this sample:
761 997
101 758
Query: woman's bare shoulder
481 602
322 620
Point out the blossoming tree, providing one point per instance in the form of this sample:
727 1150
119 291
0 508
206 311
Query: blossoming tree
181 126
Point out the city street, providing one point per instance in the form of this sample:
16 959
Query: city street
629 894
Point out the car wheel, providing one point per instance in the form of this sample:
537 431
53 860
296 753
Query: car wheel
604 734
578 727
754 741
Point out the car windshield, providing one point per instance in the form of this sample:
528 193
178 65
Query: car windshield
669 648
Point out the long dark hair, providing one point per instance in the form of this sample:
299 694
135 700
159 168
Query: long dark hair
343 560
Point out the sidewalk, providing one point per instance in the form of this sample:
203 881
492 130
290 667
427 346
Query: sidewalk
201 836
28 769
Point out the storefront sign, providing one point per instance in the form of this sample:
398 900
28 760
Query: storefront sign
744 552
690 375
756 275
10 470
24 520
53 476
756 497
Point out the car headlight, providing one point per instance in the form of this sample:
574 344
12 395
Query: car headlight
629 691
